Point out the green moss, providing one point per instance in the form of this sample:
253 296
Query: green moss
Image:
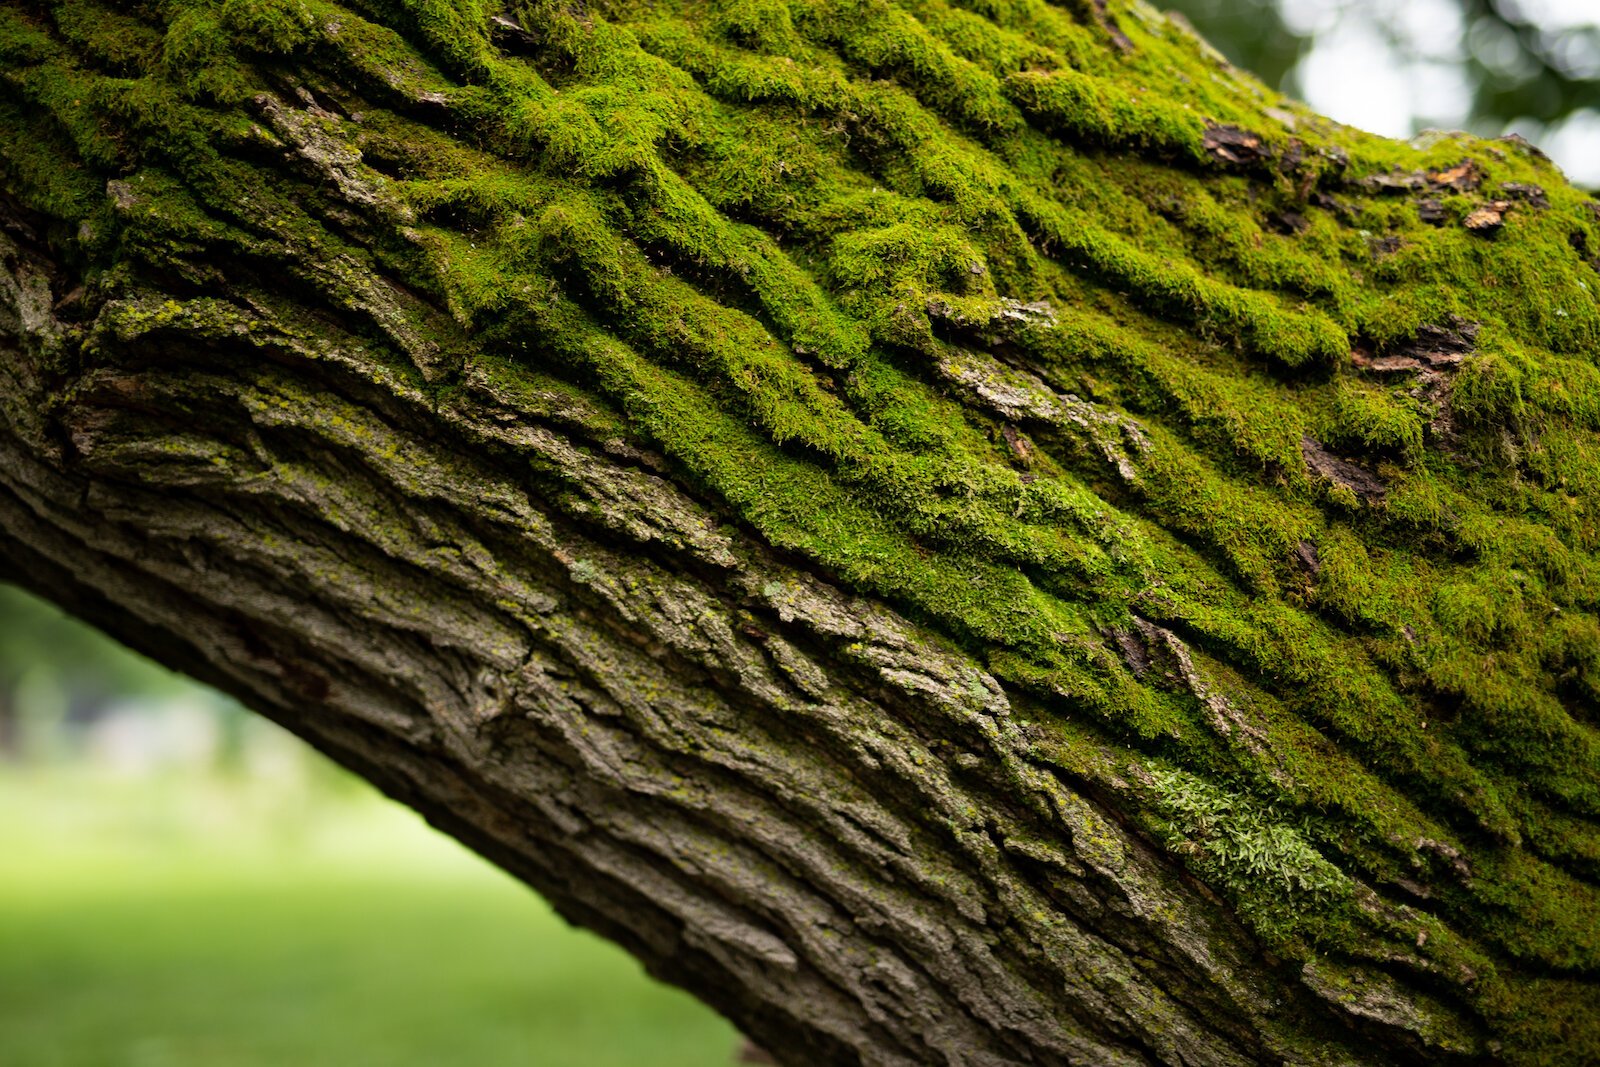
1289 890
276 26
1371 418
1103 112
196 55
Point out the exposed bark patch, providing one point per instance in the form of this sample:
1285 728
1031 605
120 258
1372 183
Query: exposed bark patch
1158 656
1005 317
1019 445
1108 22
1332 204
1231 144
1395 181
1288 223
1385 246
511 36
1579 240
1464 177
1439 348
1432 212
1020 396
750 1052
1037 313
1446 345
1461 178
1433 356
1375 998
1488 218
329 156
1342 472
1451 855
1143 656
1527 192
122 195
1525 146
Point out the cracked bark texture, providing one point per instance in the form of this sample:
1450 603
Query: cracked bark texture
815 815
982 605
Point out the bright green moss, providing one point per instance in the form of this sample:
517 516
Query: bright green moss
197 57
1103 112
21 42
1344 580
1261 324
52 178
1372 418
111 37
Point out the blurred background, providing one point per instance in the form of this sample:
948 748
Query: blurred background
184 885
1396 67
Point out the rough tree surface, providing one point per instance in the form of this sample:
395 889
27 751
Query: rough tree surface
960 532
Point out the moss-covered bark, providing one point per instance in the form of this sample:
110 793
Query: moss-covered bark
961 532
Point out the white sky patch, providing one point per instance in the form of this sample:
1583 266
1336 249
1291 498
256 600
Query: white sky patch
1306 18
1431 28
1354 76
1440 93
1575 146
1558 14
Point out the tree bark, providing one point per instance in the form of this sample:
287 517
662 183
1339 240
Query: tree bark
958 537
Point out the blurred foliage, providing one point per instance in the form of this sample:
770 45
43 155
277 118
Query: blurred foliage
1521 68
209 920
1520 65
59 675
37 637
186 885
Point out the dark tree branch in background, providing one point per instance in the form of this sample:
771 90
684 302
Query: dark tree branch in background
959 536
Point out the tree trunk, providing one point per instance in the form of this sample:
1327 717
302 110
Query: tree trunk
956 536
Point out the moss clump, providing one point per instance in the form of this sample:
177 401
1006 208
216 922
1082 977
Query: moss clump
1256 852
1103 111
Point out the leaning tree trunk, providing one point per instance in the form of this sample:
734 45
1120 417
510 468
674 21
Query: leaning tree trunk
958 533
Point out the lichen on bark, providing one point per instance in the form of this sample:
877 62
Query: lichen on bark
1018 368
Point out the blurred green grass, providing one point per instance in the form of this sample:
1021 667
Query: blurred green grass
209 920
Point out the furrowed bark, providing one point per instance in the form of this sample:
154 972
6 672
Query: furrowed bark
969 606
790 801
